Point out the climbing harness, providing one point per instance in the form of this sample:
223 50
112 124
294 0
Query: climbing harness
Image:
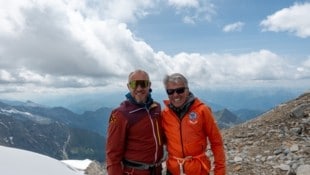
181 162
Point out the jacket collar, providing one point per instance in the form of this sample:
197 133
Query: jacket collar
180 111
147 104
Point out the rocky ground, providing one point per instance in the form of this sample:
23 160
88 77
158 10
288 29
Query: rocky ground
95 168
275 143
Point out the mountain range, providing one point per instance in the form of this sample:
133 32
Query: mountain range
273 142
56 132
61 133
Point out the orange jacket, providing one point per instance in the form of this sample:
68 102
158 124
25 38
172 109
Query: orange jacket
187 140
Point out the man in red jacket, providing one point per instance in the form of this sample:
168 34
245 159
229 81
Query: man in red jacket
134 139
188 125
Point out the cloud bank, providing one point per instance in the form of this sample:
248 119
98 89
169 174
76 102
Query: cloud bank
64 46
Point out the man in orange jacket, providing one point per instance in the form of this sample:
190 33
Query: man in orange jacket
189 125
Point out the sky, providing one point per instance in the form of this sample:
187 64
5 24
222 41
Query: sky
15 161
52 48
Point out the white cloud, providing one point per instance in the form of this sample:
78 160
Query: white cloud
124 10
307 63
11 17
5 76
59 44
233 69
193 11
67 47
303 71
184 3
237 26
188 20
294 19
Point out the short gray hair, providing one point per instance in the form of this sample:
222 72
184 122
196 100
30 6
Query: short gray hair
175 78
138 71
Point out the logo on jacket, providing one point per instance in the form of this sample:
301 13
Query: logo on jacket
112 119
193 119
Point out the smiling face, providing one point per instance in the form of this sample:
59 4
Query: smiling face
139 85
177 93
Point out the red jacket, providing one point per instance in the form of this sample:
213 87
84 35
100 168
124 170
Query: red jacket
134 134
187 140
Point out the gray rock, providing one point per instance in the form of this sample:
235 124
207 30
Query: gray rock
303 170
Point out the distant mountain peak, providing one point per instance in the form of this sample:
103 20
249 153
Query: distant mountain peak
226 118
30 103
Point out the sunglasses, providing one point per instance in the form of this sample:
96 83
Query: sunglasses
177 90
135 83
